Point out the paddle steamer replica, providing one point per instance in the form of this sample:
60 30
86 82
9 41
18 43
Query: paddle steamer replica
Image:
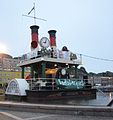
51 77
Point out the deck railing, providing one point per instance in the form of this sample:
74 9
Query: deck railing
58 54
41 83
53 83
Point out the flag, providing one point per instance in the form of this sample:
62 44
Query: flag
31 10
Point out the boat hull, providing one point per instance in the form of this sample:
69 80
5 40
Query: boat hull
48 96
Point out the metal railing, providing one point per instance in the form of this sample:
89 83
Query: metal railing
41 83
54 83
57 55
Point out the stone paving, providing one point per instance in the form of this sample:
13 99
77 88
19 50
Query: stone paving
16 115
17 111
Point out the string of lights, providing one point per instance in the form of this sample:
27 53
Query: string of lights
97 58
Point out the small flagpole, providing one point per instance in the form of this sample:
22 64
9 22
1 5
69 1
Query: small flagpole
34 15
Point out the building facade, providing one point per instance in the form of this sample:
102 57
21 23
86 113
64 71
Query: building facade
9 68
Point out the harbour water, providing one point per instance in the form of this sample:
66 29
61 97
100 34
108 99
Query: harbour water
102 99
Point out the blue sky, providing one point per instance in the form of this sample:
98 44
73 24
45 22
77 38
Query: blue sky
84 26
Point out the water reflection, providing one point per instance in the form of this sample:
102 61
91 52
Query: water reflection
103 99
110 95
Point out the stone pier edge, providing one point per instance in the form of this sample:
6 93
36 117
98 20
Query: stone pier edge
58 109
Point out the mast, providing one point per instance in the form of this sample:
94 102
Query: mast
34 16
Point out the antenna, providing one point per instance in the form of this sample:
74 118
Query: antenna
34 17
34 14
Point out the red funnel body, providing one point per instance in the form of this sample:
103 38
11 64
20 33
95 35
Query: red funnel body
34 34
52 34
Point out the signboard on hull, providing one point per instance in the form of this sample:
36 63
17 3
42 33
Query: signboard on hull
70 84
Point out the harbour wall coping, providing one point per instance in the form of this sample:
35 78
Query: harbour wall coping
58 109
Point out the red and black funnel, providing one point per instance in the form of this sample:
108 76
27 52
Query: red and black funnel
52 35
34 35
